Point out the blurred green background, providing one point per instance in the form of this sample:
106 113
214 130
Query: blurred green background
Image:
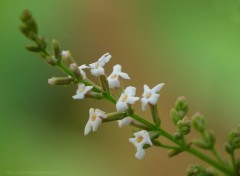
191 45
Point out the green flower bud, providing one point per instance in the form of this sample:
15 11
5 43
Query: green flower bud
74 68
174 116
234 138
33 48
60 81
114 116
181 106
201 144
104 83
198 122
56 49
197 170
228 148
184 126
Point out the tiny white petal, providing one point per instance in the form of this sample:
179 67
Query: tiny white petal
124 75
87 129
125 122
158 87
130 90
140 154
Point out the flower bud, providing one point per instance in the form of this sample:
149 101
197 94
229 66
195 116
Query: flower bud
114 116
228 149
198 122
181 106
234 138
184 126
75 70
60 81
104 83
197 170
174 116
56 49
67 57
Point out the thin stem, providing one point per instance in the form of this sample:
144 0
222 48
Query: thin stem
234 162
210 161
215 153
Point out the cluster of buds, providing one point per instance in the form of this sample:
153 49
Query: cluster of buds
197 170
178 115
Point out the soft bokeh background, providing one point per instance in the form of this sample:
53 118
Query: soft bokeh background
191 45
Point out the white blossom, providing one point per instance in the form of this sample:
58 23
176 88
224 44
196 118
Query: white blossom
83 72
141 138
97 67
82 91
95 119
150 96
127 97
113 78
125 122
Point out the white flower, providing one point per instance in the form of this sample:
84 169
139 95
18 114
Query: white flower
141 138
82 91
83 72
113 78
95 119
150 95
97 67
126 98
125 122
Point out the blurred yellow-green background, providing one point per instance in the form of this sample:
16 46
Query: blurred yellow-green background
191 45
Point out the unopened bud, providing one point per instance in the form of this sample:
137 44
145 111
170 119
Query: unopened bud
75 70
198 122
51 60
67 57
56 49
104 83
181 106
60 81
197 170
184 126
174 116
114 116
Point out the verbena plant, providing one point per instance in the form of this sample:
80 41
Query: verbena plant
149 134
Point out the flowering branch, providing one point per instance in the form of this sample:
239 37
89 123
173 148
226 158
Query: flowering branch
150 133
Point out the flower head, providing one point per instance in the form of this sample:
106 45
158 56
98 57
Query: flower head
97 67
141 138
82 91
125 122
83 72
127 97
113 78
95 119
150 96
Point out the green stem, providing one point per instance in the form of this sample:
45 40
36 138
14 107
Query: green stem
215 153
234 162
210 161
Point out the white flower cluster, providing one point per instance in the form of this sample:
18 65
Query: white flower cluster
125 101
